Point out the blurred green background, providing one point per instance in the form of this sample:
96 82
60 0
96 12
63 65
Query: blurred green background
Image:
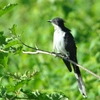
30 16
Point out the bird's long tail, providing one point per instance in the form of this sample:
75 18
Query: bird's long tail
78 76
81 85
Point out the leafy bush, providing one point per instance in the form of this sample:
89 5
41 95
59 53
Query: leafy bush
40 77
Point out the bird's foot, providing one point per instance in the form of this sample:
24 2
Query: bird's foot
66 57
56 54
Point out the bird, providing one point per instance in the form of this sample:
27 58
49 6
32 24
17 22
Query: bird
64 43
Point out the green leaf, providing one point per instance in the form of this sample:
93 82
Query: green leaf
2 38
3 91
7 8
12 43
3 55
13 29
3 59
19 50
44 96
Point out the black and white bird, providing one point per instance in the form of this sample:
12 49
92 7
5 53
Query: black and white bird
63 42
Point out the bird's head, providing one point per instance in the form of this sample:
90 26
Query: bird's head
57 22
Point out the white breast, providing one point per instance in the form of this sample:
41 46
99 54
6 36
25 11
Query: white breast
58 41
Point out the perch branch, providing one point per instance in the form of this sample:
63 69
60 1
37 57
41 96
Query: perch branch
61 56
39 51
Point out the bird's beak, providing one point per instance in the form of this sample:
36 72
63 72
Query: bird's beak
50 21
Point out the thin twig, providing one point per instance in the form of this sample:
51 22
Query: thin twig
39 51
84 69
1 50
61 56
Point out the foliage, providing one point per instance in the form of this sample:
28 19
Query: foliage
6 9
40 77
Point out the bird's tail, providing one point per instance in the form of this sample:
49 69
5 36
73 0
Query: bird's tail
81 85
78 76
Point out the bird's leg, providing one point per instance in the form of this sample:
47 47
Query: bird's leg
66 57
63 56
57 54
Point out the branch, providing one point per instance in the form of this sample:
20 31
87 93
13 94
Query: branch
39 51
61 56
1 50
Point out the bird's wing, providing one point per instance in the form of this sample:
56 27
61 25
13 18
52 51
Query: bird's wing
71 48
67 64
